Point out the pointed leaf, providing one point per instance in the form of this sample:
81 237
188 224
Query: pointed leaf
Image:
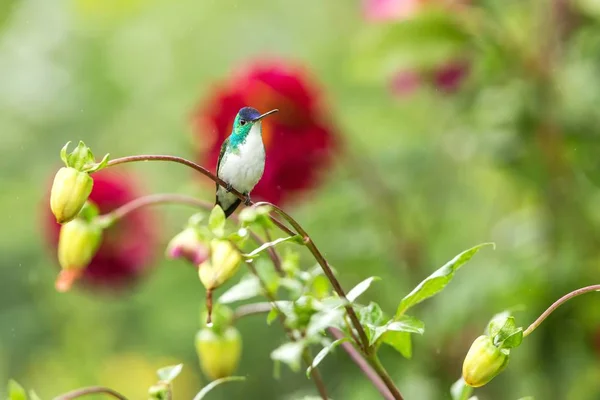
16 391
460 390
246 289
371 314
497 322
400 341
404 324
323 320
216 221
407 324
63 154
33 395
323 353
289 353
437 281
206 389
359 289
264 246
169 373
98 166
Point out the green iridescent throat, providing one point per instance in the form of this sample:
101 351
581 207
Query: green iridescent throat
240 133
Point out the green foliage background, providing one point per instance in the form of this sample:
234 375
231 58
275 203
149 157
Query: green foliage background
511 158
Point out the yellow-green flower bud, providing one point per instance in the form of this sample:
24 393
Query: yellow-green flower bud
70 190
78 242
159 391
222 264
483 362
219 354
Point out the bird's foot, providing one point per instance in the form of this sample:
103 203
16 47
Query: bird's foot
247 200
229 188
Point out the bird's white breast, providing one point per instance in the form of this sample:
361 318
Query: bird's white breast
243 168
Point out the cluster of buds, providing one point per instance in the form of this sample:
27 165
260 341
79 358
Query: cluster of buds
81 230
219 346
489 354
206 246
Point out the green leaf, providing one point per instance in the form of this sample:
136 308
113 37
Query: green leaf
33 395
407 324
63 153
16 391
371 314
167 374
404 324
359 289
286 307
437 281
98 166
256 215
323 353
289 353
247 288
400 341
496 323
460 390
508 335
264 246
323 320
216 221
206 389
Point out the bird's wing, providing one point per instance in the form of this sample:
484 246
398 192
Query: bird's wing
221 154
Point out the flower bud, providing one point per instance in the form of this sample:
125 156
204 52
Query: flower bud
187 244
483 362
219 354
223 264
77 244
70 190
159 391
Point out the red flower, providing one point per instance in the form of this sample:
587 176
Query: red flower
298 139
446 77
128 247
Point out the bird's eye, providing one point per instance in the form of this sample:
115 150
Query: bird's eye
242 122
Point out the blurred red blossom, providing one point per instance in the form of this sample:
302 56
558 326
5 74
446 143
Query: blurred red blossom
128 247
448 76
299 139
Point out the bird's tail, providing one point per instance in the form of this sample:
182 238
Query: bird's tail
228 210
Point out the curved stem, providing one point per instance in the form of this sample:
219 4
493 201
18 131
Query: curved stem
153 199
369 372
175 159
193 165
558 303
328 272
378 367
90 390
314 373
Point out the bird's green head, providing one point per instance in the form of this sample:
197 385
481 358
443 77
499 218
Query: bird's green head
246 118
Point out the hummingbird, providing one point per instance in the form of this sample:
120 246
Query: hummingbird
241 162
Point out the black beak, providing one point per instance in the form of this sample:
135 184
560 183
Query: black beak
264 115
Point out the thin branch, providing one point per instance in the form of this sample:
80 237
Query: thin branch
193 165
315 374
363 365
364 344
558 303
154 199
90 390
389 383
327 269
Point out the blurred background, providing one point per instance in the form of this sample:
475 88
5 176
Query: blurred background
409 131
